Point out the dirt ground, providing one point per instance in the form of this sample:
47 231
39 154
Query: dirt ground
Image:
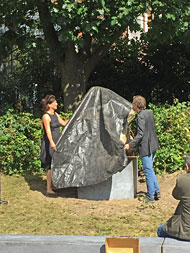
166 204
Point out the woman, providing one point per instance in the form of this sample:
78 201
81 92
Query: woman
51 125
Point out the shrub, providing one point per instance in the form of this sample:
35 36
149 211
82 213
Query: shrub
20 139
20 143
173 131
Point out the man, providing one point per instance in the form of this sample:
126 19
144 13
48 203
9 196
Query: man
178 226
147 143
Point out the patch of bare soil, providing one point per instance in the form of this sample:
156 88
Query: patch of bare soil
166 205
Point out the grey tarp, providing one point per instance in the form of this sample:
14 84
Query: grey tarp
89 150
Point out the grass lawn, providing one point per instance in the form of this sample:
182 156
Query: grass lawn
29 211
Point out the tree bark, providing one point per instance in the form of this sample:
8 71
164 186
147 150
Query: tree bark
74 84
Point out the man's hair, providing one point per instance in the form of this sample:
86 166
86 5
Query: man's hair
140 102
187 160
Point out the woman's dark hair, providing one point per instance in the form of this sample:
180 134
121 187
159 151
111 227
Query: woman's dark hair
47 100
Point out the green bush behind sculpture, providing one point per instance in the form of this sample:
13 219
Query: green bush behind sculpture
21 133
20 140
173 130
19 143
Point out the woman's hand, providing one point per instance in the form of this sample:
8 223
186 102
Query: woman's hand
66 121
54 146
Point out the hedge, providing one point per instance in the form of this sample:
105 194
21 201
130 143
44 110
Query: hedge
20 138
173 131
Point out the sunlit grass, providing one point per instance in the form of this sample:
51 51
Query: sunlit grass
29 211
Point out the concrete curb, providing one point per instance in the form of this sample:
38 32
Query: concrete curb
82 244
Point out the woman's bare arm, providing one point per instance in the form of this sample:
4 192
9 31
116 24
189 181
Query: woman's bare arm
62 122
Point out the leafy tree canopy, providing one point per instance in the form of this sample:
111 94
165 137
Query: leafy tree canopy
79 33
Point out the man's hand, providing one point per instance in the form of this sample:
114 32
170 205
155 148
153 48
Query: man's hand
126 147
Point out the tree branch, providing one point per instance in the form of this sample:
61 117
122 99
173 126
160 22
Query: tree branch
70 49
50 33
85 52
101 51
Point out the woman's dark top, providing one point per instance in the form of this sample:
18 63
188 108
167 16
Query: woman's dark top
46 149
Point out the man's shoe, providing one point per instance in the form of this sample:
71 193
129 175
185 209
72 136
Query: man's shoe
146 199
157 195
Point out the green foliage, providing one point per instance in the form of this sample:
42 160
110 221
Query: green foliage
173 131
34 76
171 20
165 50
98 19
20 143
67 115
80 34
20 138
156 71
123 72
77 33
169 68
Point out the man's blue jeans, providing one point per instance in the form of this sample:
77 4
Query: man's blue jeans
151 180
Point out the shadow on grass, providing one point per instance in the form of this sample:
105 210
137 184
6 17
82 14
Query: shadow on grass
70 192
37 182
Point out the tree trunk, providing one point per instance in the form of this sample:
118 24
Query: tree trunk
74 81
73 87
